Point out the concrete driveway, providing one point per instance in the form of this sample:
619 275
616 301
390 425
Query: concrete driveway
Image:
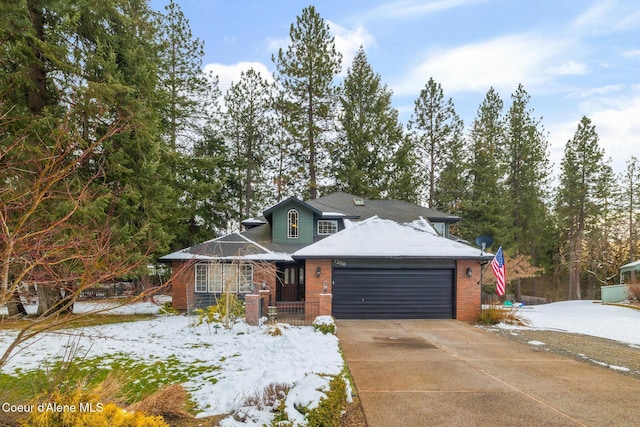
445 372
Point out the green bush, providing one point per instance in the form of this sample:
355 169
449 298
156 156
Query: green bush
168 309
324 326
329 410
228 309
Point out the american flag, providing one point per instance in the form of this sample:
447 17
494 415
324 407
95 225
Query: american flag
497 266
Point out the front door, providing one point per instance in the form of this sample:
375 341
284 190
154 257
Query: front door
291 283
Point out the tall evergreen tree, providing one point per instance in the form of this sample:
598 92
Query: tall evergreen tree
483 207
577 198
249 128
527 161
403 183
189 93
630 180
306 70
436 129
370 132
87 68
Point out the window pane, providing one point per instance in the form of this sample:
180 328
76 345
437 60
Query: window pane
246 278
215 278
201 277
326 226
292 224
231 277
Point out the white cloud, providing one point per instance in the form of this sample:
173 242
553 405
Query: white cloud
229 74
616 124
502 62
631 53
604 17
348 41
414 8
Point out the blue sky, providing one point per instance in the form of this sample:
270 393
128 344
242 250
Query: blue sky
574 57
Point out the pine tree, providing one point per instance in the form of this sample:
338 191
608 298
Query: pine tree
435 129
527 161
483 207
91 67
249 128
629 201
305 72
370 132
403 178
577 197
189 93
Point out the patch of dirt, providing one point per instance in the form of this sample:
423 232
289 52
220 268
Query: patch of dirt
354 415
601 352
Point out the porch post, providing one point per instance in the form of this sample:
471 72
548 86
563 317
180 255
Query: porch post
252 309
265 297
325 305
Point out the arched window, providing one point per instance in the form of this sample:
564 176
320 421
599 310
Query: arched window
292 224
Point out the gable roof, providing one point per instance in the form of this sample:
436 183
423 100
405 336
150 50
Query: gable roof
253 244
383 238
269 212
396 210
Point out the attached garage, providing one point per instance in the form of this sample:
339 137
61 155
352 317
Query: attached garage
379 269
387 293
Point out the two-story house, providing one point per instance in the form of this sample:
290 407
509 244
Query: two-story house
377 258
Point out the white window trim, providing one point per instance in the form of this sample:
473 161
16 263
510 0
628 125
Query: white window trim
293 224
205 275
199 286
325 223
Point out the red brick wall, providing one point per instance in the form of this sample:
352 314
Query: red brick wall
182 289
468 291
314 285
265 272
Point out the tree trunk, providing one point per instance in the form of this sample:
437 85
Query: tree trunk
50 300
15 307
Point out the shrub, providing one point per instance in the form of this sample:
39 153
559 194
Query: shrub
324 324
228 309
274 330
329 410
495 315
170 401
83 408
168 309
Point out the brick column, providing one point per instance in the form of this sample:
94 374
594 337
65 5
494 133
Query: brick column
325 305
265 297
252 309
468 291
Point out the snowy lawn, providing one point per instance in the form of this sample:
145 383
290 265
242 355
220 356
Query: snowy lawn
583 317
225 366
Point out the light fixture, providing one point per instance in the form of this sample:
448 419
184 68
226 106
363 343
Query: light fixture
469 272
324 286
318 271
264 285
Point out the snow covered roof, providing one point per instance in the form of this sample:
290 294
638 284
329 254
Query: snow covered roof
234 246
383 238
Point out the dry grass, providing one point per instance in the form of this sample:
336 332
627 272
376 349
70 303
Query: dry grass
499 314
169 401
268 397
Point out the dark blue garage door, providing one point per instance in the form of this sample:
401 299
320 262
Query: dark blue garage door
393 294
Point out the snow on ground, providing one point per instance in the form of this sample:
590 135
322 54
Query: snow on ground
584 317
249 358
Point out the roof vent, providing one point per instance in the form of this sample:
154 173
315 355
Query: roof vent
358 201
